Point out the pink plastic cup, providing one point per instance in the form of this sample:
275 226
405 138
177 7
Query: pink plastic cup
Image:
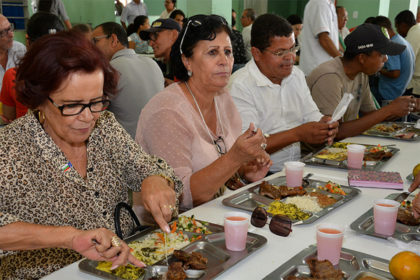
355 155
294 173
236 230
329 239
385 216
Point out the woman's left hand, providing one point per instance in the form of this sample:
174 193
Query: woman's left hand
98 244
159 198
256 169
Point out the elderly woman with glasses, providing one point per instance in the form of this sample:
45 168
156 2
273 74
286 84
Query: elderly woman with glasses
67 163
194 124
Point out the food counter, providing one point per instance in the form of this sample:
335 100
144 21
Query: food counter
278 249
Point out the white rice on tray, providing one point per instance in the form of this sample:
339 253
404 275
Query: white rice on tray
306 203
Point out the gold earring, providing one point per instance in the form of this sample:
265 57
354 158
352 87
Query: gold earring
41 117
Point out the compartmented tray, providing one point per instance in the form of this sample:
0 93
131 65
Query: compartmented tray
338 158
250 199
364 225
395 130
211 246
354 264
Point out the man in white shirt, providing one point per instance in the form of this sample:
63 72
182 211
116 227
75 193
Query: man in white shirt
407 27
248 17
10 51
270 92
131 11
319 38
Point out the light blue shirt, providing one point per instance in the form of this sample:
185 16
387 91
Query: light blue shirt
393 88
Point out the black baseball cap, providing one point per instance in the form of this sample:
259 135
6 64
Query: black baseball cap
159 25
371 37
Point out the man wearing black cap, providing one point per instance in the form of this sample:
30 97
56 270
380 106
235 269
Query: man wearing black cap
366 53
161 36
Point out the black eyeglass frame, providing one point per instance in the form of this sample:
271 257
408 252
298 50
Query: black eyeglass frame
6 31
219 149
105 103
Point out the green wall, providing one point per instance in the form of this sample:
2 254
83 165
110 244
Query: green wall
363 8
286 8
93 12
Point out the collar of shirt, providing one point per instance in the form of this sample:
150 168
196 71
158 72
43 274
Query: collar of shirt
260 79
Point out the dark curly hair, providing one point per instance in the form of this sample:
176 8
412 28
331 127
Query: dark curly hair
198 27
267 26
52 59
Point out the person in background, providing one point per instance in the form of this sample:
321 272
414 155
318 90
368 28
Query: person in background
118 7
272 93
161 36
140 77
343 31
131 11
398 70
407 27
297 26
238 47
85 29
194 124
39 24
10 50
169 8
418 15
247 19
178 16
55 7
134 41
67 163
366 53
319 39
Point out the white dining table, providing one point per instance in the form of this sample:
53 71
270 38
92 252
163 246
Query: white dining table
279 249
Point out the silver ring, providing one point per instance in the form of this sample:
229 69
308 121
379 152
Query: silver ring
263 146
116 241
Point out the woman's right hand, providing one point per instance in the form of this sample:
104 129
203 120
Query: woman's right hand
249 146
416 206
96 245
415 183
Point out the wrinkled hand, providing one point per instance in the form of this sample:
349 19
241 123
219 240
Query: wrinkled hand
313 132
256 169
333 128
248 147
158 198
96 245
416 206
415 183
402 106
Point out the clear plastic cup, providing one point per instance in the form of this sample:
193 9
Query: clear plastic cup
329 239
236 230
355 155
385 216
294 173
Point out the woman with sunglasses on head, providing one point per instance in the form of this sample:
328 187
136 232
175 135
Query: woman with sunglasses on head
67 163
194 124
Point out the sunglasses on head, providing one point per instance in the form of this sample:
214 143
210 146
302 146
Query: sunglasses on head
279 224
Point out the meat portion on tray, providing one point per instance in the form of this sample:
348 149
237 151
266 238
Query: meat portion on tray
320 270
279 192
176 272
405 216
191 261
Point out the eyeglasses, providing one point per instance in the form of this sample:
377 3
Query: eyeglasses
153 36
97 38
284 52
6 31
279 224
219 143
194 21
77 108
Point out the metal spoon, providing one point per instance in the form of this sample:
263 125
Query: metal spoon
305 181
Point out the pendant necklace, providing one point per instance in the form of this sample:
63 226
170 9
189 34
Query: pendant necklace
202 118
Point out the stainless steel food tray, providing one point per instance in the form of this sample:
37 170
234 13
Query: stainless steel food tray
354 264
311 159
211 246
249 199
364 224
406 127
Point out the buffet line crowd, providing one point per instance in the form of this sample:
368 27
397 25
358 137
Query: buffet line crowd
88 119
